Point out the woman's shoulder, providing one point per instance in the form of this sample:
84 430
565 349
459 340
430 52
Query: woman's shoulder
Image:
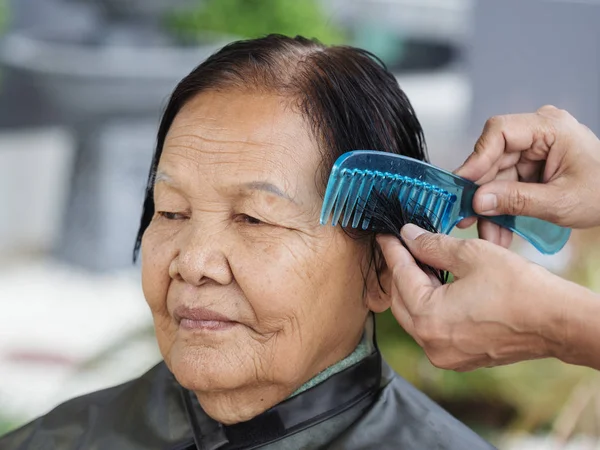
109 415
404 417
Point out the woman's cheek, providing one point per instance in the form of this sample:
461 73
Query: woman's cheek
157 254
276 277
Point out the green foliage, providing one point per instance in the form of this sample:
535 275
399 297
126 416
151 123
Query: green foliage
4 15
256 18
7 425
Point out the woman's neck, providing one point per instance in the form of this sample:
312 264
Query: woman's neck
362 350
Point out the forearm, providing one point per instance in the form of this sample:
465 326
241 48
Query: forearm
573 331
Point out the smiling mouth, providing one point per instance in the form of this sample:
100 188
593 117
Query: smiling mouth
202 319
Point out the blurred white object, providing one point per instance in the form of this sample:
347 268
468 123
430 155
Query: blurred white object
557 263
34 178
54 318
442 101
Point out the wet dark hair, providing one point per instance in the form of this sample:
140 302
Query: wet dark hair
346 95
388 216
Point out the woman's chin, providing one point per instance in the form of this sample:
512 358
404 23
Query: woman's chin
205 369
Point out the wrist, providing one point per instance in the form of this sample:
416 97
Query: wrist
573 315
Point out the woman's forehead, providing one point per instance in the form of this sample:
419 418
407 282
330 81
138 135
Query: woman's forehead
241 138
241 118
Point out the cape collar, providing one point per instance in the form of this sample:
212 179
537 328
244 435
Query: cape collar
337 394
333 396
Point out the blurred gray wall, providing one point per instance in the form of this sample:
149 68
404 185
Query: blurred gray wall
528 53
21 102
32 13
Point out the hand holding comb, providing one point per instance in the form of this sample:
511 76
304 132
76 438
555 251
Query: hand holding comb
425 190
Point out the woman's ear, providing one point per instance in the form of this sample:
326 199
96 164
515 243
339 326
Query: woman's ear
378 283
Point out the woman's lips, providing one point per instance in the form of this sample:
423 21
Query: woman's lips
201 319
212 325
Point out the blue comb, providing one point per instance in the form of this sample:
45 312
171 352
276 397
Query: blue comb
442 197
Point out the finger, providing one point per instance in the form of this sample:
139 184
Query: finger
504 134
529 171
517 199
510 173
508 160
439 251
466 223
399 310
506 163
489 231
393 251
401 314
410 281
493 233
506 237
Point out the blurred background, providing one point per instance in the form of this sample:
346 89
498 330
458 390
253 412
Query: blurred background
82 85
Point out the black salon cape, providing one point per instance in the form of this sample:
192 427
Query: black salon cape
367 406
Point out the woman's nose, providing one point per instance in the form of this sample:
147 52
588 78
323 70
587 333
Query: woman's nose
201 259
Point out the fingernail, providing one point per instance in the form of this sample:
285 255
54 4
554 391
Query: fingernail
410 232
489 203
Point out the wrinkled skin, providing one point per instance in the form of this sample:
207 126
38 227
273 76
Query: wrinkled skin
224 240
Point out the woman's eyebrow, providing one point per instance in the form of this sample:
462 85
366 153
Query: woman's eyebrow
164 177
265 186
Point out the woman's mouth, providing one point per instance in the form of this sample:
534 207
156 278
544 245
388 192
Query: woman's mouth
190 318
212 325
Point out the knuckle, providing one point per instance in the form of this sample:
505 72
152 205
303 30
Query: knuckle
430 244
494 122
517 202
482 143
467 250
554 112
492 126
547 109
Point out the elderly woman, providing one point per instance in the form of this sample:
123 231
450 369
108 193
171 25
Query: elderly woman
264 318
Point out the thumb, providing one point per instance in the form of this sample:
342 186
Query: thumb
517 199
439 250
410 281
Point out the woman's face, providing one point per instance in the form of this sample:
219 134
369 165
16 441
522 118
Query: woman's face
247 290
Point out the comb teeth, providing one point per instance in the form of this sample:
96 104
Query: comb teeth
352 189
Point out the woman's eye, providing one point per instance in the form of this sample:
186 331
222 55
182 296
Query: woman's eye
172 215
250 220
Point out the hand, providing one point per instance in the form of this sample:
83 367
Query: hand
545 165
500 309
